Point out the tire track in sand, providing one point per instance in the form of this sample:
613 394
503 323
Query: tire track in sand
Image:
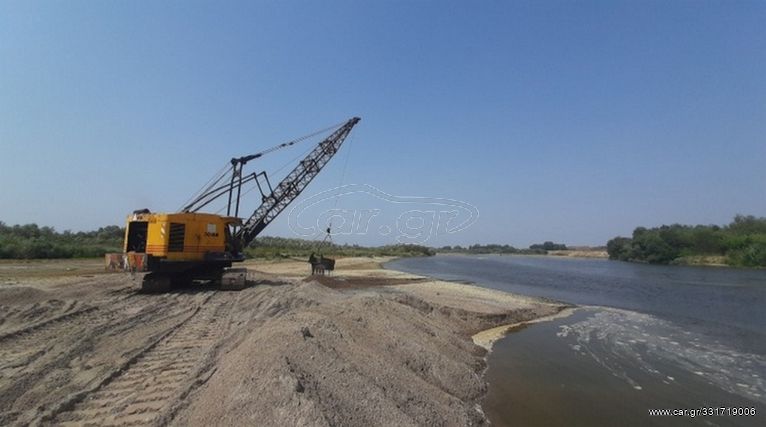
21 347
146 390
31 357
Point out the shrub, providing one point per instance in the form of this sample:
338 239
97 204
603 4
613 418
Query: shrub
742 242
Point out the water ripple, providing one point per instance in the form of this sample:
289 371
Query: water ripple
622 340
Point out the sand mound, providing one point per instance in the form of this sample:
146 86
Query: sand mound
360 359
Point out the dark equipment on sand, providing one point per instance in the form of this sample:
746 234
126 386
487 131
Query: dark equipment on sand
321 264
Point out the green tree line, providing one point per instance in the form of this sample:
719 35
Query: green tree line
281 247
742 243
493 248
32 241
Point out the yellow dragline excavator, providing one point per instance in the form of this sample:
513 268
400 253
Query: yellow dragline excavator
171 249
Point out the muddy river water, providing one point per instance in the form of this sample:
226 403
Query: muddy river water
643 338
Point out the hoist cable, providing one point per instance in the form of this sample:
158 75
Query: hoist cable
342 177
215 179
224 171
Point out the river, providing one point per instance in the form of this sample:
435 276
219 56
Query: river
645 337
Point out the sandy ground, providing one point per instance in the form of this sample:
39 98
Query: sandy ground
580 253
365 346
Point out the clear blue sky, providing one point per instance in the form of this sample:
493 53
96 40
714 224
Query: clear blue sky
571 121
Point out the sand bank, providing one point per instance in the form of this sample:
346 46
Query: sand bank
365 346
